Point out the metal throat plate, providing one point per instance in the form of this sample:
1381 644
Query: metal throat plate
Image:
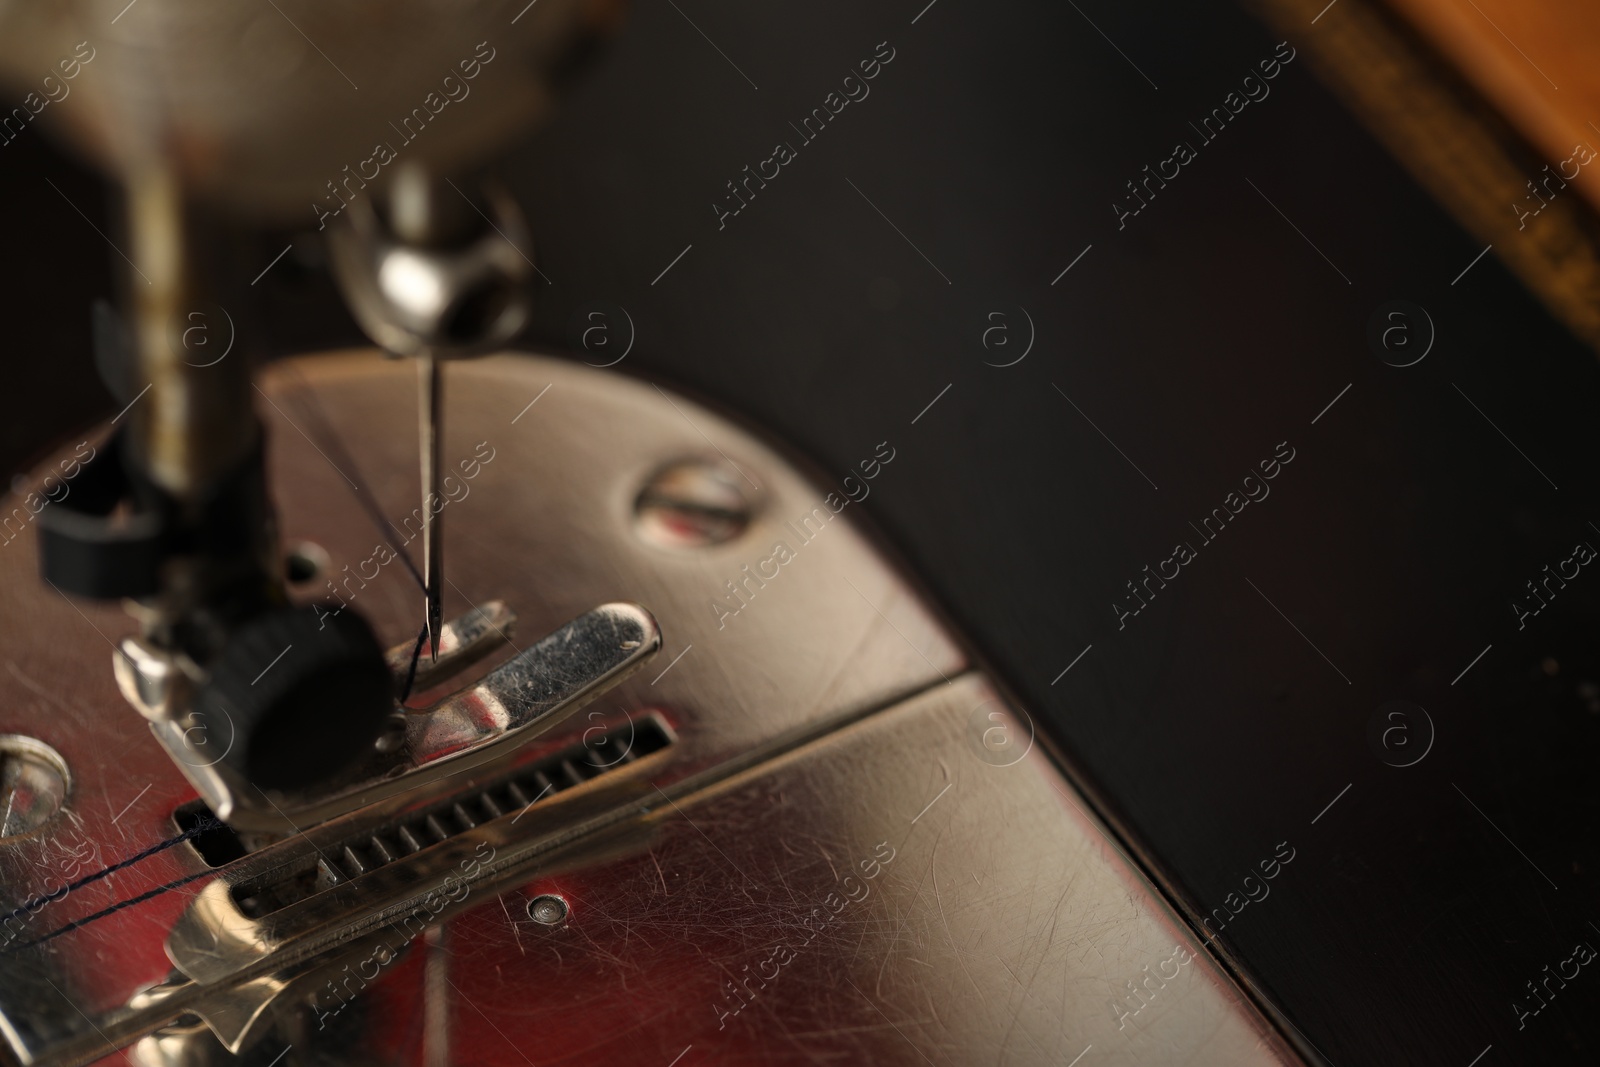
853 849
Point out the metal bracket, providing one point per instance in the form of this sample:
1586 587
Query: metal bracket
513 704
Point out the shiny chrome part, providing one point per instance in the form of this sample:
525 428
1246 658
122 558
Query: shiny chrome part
235 1019
511 706
817 709
234 1013
295 901
445 297
692 503
188 1042
462 642
151 679
435 278
34 783
532 692
881 895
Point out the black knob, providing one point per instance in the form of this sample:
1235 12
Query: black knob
296 696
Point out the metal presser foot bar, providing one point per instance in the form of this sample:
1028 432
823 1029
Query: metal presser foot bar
806 830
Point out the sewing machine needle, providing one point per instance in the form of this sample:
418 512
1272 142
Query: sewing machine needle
430 395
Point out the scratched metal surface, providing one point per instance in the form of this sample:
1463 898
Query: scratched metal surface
1407 926
547 525
562 451
883 895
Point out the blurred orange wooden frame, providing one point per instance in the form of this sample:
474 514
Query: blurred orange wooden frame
1477 98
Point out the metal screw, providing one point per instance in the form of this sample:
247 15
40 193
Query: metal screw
692 504
33 784
547 909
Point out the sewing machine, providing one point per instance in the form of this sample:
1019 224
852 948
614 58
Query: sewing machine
461 698
669 761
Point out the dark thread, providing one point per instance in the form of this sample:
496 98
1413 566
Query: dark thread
331 443
38 902
130 902
411 672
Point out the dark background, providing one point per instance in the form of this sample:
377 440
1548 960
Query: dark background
1197 339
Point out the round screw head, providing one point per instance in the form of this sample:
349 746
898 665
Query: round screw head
692 503
547 909
33 785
